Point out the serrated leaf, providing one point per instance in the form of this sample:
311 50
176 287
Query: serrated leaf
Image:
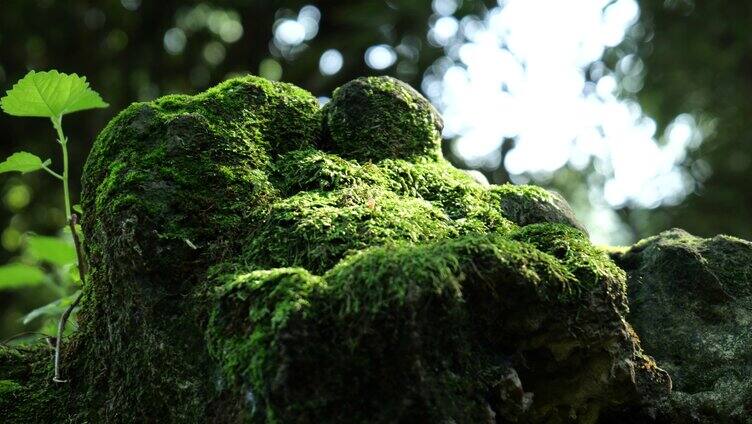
14 276
54 308
51 249
23 162
49 95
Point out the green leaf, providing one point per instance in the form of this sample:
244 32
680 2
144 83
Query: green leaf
50 95
51 249
78 209
23 162
14 276
54 308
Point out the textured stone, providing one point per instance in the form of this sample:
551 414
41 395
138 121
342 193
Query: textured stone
691 304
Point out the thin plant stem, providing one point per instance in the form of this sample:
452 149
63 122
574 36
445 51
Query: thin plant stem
51 172
72 220
58 124
64 319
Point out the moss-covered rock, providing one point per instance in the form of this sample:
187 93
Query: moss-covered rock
530 204
691 303
256 259
376 118
168 188
470 329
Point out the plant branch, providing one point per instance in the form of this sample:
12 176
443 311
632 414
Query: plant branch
53 173
72 222
25 333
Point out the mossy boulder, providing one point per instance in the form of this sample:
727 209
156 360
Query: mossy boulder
375 118
255 258
530 204
691 303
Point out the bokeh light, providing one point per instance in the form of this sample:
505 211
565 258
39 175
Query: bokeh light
537 78
444 7
270 69
131 5
174 41
380 57
331 62
289 32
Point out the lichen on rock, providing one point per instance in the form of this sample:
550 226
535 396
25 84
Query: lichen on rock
255 258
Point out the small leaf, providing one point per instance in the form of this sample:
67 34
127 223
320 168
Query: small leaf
23 162
51 249
54 308
78 209
49 95
14 276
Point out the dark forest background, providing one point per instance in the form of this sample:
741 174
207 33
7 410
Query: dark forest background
697 60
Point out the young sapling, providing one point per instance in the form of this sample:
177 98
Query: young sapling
51 95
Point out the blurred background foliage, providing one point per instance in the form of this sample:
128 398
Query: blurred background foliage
654 133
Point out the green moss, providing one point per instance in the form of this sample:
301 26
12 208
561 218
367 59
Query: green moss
371 279
447 187
322 227
194 162
278 117
188 168
590 266
168 189
288 334
248 264
422 331
27 393
450 192
8 387
529 204
253 307
312 169
374 118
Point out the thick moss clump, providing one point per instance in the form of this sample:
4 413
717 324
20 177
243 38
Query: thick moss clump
27 393
473 329
375 118
256 259
167 190
691 303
